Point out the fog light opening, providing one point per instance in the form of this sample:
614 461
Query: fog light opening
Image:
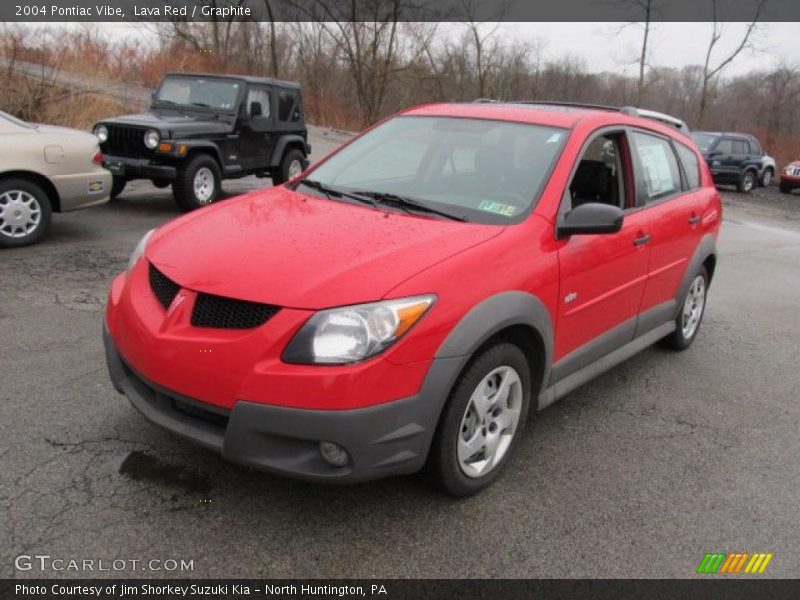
333 454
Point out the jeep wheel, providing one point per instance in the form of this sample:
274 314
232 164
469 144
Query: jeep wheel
687 323
117 185
766 177
746 183
294 162
198 183
484 417
24 213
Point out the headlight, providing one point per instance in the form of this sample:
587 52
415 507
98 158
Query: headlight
151 139
353 333
101 131
138 251
789 169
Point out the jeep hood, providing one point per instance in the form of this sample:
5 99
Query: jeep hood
281 247
173 123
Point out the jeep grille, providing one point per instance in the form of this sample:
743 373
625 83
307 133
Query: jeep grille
126 141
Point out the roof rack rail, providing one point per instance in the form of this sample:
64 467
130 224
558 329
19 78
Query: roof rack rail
630 111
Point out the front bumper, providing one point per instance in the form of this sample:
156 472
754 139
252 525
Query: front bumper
138 168
391 438
791 181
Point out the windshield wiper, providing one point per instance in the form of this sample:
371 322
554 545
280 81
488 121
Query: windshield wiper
331 192
407 203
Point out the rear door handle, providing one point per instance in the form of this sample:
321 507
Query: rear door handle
641 240
694 220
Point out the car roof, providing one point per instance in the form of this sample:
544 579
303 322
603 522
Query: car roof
728 134
563 115
246 78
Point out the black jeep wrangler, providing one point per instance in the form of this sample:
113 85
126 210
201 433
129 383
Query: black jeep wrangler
201 129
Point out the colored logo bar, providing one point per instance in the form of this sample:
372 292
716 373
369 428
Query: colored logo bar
736 562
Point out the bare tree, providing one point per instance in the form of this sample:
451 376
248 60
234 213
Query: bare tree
711 72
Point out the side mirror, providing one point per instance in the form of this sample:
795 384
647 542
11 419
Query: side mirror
715 153
255 109
592 217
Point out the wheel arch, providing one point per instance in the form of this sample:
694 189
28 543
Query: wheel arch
40 180
286 143
705 255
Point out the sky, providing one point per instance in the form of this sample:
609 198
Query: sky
614 46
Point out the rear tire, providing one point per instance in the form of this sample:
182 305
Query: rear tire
117 185
198 183
693 307
482 421
294 162
25 213
767 177
746 183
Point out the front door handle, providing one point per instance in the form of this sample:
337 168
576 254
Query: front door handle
694 220
641 240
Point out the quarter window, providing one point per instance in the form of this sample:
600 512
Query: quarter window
691 166
659 175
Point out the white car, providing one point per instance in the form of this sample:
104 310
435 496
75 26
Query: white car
45 169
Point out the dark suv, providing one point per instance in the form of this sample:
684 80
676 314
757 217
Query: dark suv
201 129
735 159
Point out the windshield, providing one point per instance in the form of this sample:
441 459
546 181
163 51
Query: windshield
705 141
198 92
15 120
481 170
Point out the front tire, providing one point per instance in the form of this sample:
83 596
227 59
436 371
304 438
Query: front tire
766 177
746 183
785 189
482 421
25 213
198 183
687 323
294 162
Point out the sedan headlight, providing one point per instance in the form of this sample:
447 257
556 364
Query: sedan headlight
138 251
101 131
354 333
151 139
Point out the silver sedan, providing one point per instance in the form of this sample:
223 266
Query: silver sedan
45 169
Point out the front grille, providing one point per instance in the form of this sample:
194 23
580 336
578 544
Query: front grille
126 141
163 287
227 313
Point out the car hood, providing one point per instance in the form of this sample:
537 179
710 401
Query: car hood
280 247
172 123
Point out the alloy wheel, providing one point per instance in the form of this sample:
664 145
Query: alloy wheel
20 213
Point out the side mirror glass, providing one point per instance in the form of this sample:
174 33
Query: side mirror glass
255 109
590 218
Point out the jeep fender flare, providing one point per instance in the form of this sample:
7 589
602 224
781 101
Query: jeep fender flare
706 248
280 147
204 145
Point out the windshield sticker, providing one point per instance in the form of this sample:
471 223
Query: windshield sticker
553 138
498 208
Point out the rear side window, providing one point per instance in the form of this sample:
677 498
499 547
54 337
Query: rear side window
691 166
659 175
288 106
741 147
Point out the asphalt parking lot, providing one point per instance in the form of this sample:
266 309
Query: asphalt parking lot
637 474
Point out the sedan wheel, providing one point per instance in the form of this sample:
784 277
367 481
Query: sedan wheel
490 421
24 212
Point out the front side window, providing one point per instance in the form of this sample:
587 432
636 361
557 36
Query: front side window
659 175
483 170
725 146
598 176
691 166
217 94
